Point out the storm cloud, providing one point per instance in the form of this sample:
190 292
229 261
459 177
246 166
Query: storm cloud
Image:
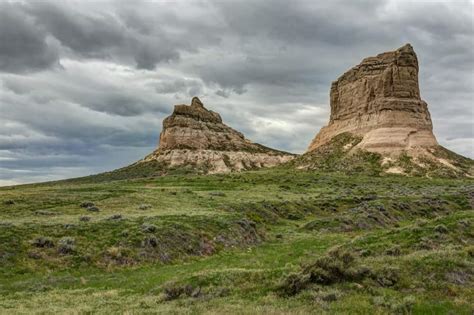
25 47
84 85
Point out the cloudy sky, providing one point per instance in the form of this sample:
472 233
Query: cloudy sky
84 85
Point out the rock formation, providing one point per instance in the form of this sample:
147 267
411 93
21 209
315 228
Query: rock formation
379 99
377 114
196 137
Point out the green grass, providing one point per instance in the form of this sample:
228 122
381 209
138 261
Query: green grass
226 244
341 155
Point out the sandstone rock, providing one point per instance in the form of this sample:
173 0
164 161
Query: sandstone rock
379 123
379 99
196 137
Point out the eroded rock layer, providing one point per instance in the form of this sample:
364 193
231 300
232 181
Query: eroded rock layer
196 137
379 99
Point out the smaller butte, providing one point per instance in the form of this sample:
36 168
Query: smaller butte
196 138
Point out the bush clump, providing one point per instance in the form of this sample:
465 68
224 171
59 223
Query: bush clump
149 228
387 277
394 251
337 266
470 251
43 242
217 194
294 283
44 212
66 245
441 228
173 291
90 206
330 297
120 256
86 204
116 217
93 209
144 206
150 241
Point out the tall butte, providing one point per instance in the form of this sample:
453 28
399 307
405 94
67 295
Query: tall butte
379 99
378 104
194 137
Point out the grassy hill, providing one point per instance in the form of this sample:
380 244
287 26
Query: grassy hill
340 155
269 241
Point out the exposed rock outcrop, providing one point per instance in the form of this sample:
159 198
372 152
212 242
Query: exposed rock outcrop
379 99
379 121
196 137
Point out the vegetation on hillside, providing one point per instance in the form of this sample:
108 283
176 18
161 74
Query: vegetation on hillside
340 155
268 241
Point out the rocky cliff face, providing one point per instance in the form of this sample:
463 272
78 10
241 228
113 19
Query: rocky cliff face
196 137
379 99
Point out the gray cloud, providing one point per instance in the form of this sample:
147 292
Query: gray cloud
90 88
89 35
190 87
25 47
86 84
121 32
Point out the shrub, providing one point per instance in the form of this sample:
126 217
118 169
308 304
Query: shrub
217 194
421 222
294 283
116 217
144 206
330 297
8 202
470 251
114 252
387 277
173 291
394 251
405 306
150 241
66 245
44 212
120 255
220 292
441 228
293 216
464 223
426 244
34 254
42 241
337 266
149 228
86 204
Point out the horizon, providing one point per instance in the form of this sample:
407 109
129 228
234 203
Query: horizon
85 86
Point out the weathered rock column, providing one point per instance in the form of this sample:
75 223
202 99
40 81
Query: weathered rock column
379 99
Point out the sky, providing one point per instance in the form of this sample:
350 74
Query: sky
85 85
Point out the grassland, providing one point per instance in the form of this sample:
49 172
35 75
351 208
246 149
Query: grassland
275 241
